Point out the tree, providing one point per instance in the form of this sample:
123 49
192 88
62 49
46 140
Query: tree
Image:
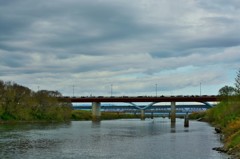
226 91
1 97
237 83
21 103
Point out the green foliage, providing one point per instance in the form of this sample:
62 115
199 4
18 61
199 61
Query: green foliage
232 128
223 113
110 116
81 115
226 92
197 115
87 115
1 110
20 103
6 116
232 143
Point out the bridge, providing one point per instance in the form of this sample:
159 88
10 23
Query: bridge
97 100
156 99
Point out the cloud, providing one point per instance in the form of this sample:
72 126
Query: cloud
133 45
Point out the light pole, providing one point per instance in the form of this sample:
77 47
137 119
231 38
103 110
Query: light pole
156 90
111 89
73 90
200 88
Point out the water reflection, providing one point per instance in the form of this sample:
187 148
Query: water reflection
186 130
96 124
114 139
173 127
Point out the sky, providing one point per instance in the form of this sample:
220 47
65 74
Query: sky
120 47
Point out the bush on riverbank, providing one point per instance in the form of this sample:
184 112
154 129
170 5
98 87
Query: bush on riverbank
19 103
225 112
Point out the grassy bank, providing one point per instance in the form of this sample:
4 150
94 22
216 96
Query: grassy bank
226 117
87 115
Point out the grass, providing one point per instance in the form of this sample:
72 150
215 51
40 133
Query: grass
81 115
87 115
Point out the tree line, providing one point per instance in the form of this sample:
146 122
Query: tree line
21 103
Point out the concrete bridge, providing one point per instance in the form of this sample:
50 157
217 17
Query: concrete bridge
96 102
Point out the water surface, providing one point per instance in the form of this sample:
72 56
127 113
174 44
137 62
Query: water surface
114 139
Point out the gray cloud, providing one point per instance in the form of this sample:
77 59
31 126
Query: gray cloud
132 44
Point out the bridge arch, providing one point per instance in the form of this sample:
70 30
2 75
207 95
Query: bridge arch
143 108
207 104
151 104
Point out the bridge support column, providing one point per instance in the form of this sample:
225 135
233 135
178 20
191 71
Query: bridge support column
173 112
142 114
96 111
186 120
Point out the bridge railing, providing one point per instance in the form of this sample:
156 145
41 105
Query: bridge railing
129 99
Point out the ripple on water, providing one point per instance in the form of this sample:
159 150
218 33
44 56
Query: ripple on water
114 139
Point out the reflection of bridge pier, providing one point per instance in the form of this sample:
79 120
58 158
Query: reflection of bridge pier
186 120
142 114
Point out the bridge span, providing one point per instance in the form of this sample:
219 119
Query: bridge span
97 100
157 99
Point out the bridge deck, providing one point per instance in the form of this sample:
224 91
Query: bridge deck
128 99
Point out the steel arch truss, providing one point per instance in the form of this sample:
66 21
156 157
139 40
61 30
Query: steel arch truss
208 105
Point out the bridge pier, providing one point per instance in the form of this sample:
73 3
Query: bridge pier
173 112
142 114
96 111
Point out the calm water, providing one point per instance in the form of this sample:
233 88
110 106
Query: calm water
115 139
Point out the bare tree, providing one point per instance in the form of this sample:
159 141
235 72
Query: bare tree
237 83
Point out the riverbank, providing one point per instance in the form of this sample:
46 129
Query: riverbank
225 117
76 115
87 115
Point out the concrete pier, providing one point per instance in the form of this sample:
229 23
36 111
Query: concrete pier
96 111
142 114
173 112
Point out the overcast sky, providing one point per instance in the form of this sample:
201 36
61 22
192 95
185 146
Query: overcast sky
131 46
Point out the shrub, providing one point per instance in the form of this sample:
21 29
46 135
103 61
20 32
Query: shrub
232 127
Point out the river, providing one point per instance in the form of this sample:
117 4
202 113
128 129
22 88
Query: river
113 139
